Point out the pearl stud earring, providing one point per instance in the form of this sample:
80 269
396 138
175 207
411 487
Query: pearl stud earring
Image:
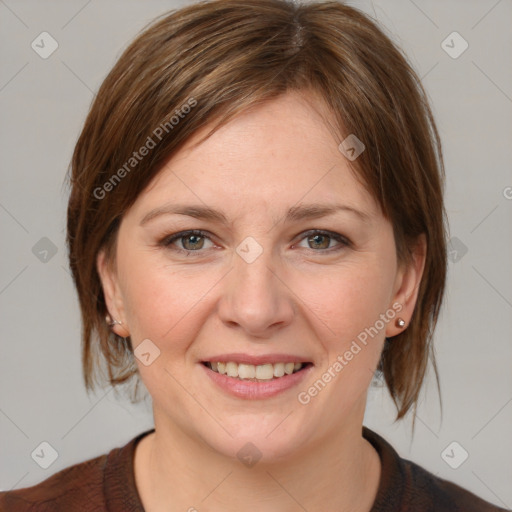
111 322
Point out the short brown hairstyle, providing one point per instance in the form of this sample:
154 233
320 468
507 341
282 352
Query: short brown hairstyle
224 56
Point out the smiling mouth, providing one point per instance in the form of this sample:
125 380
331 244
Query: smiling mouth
255 373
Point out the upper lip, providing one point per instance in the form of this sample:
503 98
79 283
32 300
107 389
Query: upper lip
256 360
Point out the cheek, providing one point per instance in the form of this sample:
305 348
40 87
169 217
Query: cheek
354 339
162 303
347 299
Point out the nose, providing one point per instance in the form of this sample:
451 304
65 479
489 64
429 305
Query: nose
256 298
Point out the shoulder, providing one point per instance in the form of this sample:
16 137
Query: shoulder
406 486
443 495
106 482
77 487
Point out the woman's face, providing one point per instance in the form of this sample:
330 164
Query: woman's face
269 283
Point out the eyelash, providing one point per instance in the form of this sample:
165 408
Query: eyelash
168 240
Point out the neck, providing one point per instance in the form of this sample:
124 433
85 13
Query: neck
174 472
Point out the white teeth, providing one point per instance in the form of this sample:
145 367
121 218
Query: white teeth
260 372
246 371
232 369
279 369
264 372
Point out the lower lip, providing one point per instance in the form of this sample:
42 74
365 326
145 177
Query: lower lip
256 390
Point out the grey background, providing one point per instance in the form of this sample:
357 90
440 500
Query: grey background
43 105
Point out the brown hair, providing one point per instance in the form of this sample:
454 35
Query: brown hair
219 58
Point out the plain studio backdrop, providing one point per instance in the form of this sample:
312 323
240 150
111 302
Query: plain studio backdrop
461 49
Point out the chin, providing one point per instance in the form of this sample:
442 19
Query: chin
253 440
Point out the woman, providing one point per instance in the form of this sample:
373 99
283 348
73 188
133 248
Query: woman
255 227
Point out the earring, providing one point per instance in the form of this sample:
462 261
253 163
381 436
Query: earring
400 322
111 323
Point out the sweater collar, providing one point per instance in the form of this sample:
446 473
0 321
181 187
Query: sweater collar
121 492
391 490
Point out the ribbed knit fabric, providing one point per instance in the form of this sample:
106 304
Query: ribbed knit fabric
107 483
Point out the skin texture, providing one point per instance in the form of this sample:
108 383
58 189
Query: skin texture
297 297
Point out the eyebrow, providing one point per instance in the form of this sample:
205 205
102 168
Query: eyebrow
295 213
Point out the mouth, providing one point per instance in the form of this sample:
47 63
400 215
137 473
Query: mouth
256 373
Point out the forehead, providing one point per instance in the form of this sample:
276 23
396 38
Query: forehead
268 158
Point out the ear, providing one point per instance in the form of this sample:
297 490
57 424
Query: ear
407 285
112 293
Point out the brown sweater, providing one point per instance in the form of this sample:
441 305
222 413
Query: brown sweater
107 483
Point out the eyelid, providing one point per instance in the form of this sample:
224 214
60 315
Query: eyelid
332 234
168 240
342 240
